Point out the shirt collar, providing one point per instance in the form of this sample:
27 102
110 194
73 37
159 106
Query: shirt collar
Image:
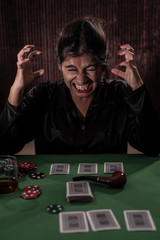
65 99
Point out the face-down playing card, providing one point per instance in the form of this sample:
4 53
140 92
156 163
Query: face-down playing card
59 168
139 220
102 219
78 191
71 222
87 168
111 167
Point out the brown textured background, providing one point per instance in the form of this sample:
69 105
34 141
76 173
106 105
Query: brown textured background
38 22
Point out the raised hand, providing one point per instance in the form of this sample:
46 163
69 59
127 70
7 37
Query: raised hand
24 75
131 74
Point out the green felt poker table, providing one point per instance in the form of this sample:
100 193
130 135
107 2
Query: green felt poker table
27 219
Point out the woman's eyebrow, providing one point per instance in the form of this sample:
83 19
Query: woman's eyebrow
91 65
70 66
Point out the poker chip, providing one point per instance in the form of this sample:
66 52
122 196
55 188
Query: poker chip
28 167
37 188
54 208
21 175
6 161
31 192
32 186
9 170
37 175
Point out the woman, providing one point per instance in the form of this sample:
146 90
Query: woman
84 113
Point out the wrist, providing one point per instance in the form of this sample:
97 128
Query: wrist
16 95
17 88
138 85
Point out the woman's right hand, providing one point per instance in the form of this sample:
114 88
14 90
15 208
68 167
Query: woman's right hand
24 75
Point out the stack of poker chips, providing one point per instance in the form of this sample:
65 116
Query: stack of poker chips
7 167
30 169
54 208
31 192
26 168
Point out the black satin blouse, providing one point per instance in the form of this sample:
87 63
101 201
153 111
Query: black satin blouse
116 115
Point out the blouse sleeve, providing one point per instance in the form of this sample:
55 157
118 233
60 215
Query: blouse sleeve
143 126
17 126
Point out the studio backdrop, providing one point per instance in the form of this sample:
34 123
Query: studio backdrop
38 22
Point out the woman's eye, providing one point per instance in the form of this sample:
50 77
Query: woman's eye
72 70
91 70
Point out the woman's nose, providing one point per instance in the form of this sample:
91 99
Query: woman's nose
81 78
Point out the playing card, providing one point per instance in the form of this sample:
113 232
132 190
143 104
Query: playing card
87 168
111 167
102 219
59 168
139 220
78 191
71 222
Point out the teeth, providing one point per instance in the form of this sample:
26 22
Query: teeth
82 87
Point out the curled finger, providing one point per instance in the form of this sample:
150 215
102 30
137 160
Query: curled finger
38 73
33 54
127 63
127 47
118 72
29 46
128 54
21 63
23 53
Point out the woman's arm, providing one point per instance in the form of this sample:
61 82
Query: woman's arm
24 75
131 74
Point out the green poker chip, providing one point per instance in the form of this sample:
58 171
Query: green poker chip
54 208
5 162
9 170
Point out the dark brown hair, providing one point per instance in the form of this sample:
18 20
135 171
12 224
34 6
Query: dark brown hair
85 35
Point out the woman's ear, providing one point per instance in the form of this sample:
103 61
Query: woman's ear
60 67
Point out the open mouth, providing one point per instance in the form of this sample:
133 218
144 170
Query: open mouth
83 88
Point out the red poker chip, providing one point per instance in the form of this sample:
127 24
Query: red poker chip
36 189
30 194
21 175
28 165
10 160
37 175
31 187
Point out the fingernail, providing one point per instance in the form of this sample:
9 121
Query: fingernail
41 71
39 52
119 53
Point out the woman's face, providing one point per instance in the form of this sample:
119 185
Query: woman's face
82 75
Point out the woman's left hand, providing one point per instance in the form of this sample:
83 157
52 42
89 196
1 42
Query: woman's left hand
131 74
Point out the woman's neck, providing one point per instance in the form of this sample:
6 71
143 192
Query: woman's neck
82 105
